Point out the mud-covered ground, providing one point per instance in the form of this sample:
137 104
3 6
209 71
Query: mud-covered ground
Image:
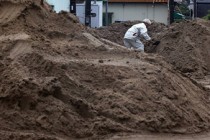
60 80
185 45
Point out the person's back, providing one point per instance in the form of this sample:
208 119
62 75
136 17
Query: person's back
133 33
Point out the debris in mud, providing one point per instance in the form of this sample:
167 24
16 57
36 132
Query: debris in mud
100 61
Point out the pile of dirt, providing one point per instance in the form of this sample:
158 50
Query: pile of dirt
60 82
186 46
115 32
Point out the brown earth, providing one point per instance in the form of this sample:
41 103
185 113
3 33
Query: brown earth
116 31
60 82
185 45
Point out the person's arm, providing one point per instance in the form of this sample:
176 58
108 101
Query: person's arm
146 36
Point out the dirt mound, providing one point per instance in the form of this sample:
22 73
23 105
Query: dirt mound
186 46
35 20
60 83
115 32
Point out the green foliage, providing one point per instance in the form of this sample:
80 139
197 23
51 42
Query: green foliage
183 9
207 17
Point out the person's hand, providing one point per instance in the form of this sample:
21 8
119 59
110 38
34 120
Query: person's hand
156 43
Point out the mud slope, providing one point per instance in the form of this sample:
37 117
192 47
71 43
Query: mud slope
58 82
115 32
186 46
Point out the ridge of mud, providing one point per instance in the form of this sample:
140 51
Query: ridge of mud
57 83
184 45
115 32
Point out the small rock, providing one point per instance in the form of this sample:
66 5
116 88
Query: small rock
100 61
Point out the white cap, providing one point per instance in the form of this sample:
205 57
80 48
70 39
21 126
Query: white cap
147 21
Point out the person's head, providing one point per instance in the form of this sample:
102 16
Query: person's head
147 21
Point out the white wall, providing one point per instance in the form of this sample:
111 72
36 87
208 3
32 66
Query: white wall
138 11
60 4
95 8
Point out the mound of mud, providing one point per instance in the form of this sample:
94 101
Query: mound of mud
60 83
186 46
115 32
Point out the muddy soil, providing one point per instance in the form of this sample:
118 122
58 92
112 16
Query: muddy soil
60 82
185 45
116 31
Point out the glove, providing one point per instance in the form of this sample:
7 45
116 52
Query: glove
156 43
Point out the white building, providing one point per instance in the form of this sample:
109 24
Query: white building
123 10
119 10
96 9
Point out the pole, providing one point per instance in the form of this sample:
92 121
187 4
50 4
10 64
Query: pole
73 7
171 11
107 18
88 12
195 9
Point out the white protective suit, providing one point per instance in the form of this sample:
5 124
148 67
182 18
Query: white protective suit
131 38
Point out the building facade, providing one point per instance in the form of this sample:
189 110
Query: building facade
124 10
202 8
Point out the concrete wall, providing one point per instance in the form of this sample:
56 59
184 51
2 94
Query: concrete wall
138 11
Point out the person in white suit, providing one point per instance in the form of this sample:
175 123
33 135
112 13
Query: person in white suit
133 34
